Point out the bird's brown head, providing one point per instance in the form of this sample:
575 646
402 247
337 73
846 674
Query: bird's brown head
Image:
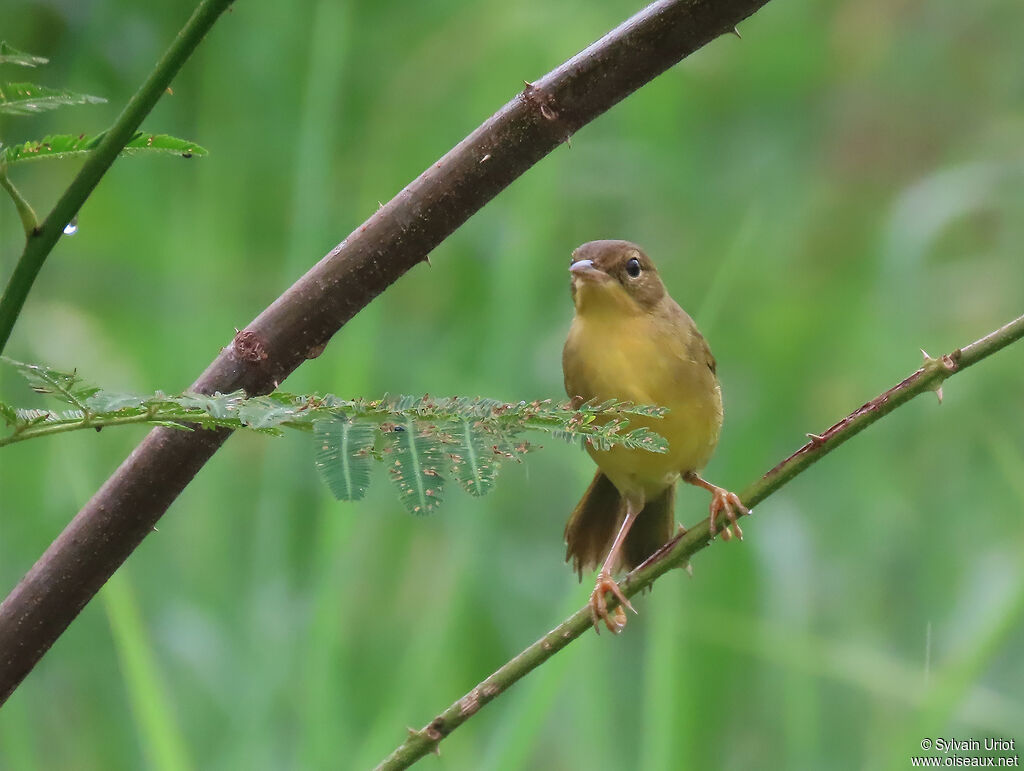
614 275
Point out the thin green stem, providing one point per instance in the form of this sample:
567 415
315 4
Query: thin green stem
677 552
42 239
25 211
48 429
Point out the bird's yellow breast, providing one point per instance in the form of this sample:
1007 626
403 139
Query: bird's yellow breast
647 359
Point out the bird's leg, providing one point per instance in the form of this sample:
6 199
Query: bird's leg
605 582
721 500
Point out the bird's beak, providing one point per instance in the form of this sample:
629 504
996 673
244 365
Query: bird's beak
585 269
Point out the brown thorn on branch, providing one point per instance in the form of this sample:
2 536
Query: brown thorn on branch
249 346
936 370
544 103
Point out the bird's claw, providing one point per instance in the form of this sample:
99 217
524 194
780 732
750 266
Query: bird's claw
724 501
599 606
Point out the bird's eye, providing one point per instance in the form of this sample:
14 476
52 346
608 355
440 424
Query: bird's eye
633 267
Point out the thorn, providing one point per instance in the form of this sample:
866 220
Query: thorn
736 32
816 439
436 749
688 567
927 358
568 141
938 393
412 732
379 205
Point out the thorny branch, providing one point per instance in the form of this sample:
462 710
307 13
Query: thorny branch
677 552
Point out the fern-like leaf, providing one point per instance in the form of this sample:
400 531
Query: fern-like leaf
263 412
29 98
415 467
11 55
343 456
66 386
219 406
474 459
113 401
422 437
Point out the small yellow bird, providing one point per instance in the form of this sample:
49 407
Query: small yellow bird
630 341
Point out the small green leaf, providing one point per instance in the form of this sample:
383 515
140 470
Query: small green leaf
28 98
219 406
112 401
61 146
474 462
570 437
415 470
263 412
32 417
66 386
11 55
645 439
343 456
162 143
172 424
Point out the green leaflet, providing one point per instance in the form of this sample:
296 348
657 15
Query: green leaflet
66 386
472 459
11 55
343 456
220 406
264 412
112 401
415 467
61 146
29 98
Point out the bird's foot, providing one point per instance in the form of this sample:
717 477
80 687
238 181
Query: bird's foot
615 621
724 501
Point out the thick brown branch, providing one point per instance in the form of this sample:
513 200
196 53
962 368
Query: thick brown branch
678 551
300 322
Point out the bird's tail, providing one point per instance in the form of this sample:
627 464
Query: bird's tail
597 517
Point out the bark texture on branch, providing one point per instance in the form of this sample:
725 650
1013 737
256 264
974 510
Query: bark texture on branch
300 322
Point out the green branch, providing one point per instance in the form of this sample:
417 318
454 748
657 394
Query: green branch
42 239
25 211
49 429
678 551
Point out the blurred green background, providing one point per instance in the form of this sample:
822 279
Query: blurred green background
841 187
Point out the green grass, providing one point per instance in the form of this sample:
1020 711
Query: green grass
834 191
